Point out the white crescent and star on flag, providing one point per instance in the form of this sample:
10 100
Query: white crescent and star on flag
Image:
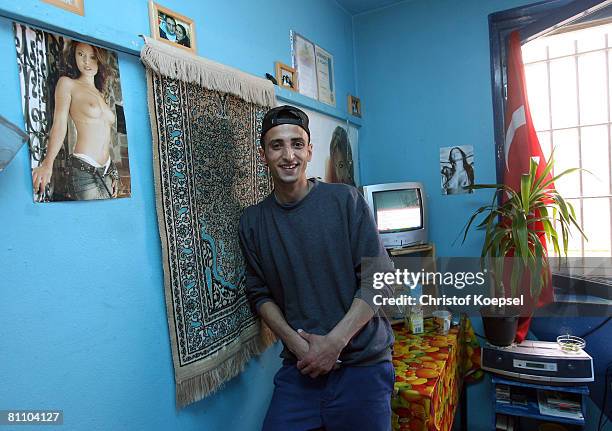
518 120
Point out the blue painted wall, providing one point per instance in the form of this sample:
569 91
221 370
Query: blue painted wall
423 70
424 76
82 314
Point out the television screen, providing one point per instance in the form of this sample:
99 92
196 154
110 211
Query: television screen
398 210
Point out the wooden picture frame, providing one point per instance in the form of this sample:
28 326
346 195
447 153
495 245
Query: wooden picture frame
354 106
287 77
325 76
160 31
74 6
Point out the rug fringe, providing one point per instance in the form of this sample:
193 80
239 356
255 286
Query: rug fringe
175 63
195 388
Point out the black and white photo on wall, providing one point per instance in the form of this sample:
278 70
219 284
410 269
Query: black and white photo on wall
354 105
287 77
457 169
73 111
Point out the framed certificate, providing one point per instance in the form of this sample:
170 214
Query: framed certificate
325 76
304 61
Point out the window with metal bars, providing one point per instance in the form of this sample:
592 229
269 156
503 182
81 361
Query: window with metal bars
568 77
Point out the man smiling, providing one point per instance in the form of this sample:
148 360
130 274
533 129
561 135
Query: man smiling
167 29
303 246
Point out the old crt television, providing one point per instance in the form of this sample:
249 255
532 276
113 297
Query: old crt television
400 211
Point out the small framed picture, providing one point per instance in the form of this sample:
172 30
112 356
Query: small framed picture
354 106
286 76
172 28
74 6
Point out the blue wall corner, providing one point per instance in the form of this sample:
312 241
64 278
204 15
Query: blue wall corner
424 77
423 71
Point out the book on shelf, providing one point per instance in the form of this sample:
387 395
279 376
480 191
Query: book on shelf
504 422
518 397
560 404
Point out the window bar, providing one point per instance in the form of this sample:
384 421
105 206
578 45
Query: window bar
564 56
609 137
550 140
579 143
605 123
588 197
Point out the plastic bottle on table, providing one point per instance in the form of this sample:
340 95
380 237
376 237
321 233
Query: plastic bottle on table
416 319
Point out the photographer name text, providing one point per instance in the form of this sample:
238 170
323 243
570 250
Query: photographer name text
468 300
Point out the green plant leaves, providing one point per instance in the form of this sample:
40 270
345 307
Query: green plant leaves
517 226
526 181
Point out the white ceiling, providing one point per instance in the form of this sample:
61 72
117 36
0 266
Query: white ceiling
360 6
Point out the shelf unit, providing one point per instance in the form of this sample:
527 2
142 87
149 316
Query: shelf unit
531 410
296 98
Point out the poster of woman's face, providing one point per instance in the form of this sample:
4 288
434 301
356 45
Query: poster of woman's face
457 169
73 110
340 167
334 151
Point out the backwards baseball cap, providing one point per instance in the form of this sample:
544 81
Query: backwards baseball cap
285 114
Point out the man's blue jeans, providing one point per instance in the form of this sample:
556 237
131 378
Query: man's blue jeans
349 398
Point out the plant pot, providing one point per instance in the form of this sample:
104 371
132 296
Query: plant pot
500 324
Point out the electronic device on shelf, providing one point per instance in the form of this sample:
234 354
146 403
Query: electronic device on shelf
540 361
400 211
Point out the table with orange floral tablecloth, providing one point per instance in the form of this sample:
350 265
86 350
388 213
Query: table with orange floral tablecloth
430 370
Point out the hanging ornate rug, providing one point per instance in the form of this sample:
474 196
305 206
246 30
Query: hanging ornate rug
205 121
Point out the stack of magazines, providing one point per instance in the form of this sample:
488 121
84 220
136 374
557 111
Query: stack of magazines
502 394
516 396
560 404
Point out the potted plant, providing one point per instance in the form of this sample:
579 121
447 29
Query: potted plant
513 223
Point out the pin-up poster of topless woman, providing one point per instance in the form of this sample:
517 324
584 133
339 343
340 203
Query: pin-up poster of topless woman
73 111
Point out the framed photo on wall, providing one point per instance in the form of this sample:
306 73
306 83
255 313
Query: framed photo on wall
74 6
325 76
354 106
172 27
303 53
286 76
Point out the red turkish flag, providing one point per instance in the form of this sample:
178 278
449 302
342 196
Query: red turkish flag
521 144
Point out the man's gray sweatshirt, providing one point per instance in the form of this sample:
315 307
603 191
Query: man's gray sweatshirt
306 257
